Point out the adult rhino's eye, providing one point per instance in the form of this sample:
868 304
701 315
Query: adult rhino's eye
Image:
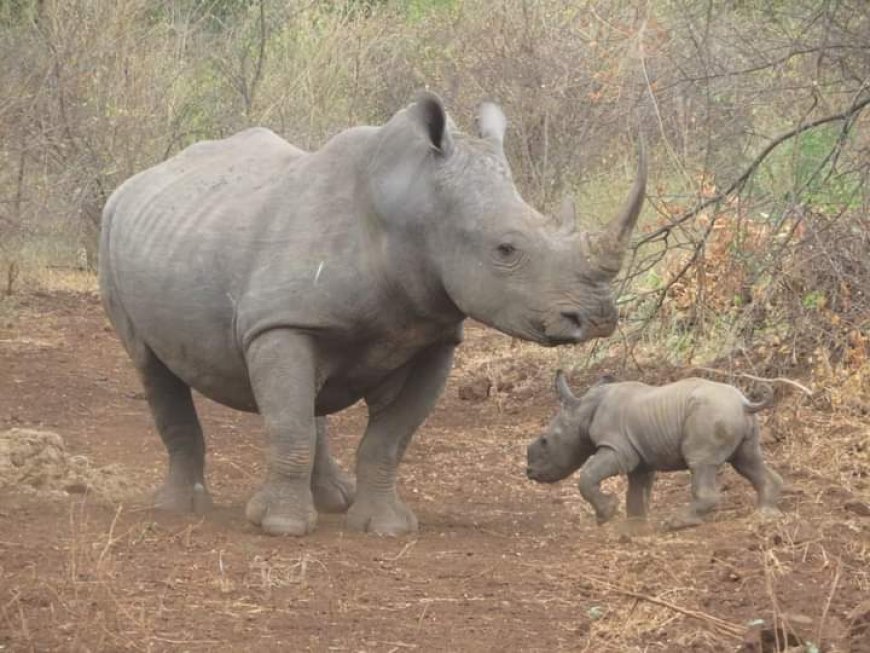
544 442
508 253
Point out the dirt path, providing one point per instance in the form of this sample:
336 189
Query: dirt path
499 564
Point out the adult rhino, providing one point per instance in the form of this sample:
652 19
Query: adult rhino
293 284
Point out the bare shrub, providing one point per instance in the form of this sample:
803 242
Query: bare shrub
752 111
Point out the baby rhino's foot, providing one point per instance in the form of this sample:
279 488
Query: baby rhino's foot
769 512
606 508
685 520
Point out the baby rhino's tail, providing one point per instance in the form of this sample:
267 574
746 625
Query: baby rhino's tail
754 407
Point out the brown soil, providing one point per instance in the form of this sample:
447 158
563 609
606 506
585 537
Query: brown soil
499 564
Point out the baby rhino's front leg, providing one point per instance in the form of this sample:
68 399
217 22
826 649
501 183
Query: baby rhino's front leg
601 465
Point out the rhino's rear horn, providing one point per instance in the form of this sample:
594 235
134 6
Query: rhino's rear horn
567 217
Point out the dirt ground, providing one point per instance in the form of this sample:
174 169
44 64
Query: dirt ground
499 564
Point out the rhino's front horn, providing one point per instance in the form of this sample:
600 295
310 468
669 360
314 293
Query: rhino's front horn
609 247
563 389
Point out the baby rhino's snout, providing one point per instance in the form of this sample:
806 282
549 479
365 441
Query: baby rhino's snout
537 460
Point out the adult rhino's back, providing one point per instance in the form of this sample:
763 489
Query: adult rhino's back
177 244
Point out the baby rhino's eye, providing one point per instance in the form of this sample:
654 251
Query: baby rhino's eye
544 442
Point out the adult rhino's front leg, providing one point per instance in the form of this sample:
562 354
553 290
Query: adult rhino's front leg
395 413
282 371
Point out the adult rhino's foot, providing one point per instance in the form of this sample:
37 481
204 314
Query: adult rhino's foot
382 515
333 493
281 510
175 497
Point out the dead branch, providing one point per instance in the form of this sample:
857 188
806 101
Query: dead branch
752 377
721 625
738 183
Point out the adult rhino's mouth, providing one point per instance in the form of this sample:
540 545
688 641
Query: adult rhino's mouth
567 329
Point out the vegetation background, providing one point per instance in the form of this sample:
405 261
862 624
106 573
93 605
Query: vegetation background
756 233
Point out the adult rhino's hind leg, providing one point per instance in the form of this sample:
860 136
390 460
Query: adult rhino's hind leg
394 415
333 489
176 420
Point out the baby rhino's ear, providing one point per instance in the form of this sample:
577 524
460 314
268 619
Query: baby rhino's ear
605 378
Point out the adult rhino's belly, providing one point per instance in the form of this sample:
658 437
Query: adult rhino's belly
380 366
195 342
209 366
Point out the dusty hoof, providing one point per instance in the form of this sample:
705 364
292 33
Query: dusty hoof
334 494
769 512
281 515
634 526
607 512
183 499
382 517
682 522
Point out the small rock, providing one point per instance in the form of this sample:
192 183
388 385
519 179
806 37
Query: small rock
858 507
797 619
755 623
595 612
475 390
759 639
76 488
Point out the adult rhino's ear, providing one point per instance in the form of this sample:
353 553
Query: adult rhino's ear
429 111
491 123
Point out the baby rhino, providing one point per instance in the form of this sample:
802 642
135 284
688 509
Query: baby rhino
637 429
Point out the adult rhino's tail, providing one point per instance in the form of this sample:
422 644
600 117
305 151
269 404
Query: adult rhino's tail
754 407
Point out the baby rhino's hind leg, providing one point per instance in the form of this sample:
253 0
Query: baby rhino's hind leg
705 496
640 483
748 462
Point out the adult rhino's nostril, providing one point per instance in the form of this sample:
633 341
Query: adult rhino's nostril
574 318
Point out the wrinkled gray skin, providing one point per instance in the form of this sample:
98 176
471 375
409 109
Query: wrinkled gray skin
294 284
637 429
